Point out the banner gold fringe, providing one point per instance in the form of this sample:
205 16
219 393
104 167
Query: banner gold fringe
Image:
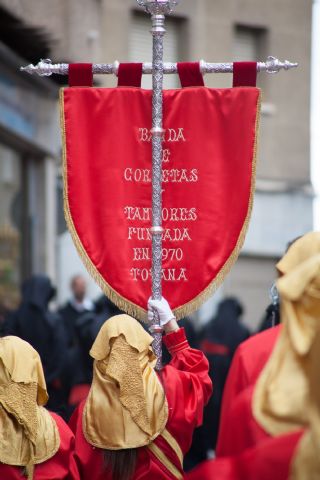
124 304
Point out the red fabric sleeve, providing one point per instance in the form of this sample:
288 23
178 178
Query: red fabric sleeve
187 386
176 341
270 459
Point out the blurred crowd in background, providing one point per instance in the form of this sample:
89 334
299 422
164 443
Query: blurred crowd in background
63 338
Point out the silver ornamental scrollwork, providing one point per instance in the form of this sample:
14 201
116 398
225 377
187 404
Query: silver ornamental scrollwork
158 32
158 7
46 67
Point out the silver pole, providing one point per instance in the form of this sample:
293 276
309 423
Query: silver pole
45 68
158 10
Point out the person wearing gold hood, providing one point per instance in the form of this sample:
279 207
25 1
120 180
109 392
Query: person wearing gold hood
34 443
136 423
276 422
247 365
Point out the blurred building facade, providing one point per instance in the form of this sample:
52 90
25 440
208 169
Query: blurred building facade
105 30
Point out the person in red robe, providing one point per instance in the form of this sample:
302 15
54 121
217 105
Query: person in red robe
239 427
34 443
136 423
248 362
276 422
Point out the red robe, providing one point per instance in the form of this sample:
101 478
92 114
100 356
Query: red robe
188 388
60 467
238 429
269 460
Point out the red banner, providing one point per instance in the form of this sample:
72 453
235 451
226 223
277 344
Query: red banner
208 184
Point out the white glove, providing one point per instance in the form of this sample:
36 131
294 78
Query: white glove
163 309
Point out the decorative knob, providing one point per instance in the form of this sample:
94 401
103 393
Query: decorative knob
158 7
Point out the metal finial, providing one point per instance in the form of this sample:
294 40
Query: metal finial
273 65
45 68
158 7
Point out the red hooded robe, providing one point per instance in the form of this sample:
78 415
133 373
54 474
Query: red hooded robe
187 387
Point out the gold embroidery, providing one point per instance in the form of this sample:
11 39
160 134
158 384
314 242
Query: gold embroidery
124 367
20 400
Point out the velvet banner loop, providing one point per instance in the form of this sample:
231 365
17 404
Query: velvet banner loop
129 75
80 75
190 74
244 74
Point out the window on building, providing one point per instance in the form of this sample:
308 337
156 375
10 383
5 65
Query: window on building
249 43
61 222
140 45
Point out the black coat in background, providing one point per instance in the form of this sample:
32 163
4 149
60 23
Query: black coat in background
105 309
271 317
44 330
220 338
70 316
226 327
85 327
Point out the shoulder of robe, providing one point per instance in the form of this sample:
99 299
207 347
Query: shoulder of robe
265 340
64 430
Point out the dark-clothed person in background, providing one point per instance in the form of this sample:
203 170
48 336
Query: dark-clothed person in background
271 317
78 374
77 370
78 304
272 314
104 309
87 327
44 330
221 337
